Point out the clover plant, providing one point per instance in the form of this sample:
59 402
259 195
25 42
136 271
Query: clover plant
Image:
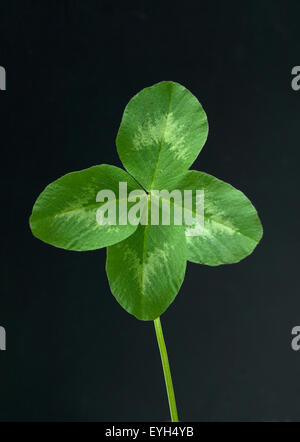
163 129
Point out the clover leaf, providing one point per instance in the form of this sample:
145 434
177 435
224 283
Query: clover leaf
163 129
64 214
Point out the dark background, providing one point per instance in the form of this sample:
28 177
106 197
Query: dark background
72 351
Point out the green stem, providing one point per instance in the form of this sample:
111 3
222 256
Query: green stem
166 368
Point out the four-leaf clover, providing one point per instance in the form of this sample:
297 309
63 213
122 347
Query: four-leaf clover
163 129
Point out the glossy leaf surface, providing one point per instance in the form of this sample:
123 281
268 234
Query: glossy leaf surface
64 214
232 228
163 129
146 270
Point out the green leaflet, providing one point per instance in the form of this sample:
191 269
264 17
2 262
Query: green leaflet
163 129
232 228
146 270
64 214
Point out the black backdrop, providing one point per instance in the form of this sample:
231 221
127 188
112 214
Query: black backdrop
72 352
